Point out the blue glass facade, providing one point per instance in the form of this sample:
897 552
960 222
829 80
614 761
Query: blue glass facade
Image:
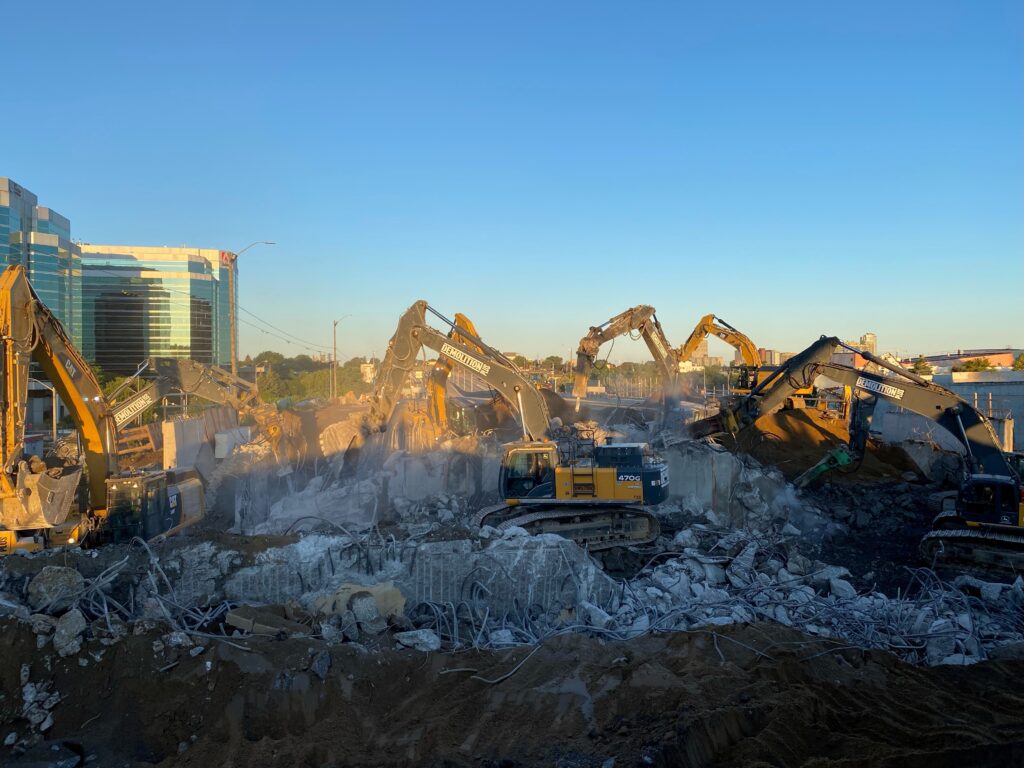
40 239
141 301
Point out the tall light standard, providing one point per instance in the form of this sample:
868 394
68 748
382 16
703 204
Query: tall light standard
53 397
334 359
232 319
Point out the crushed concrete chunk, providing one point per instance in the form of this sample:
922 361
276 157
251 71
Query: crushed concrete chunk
740 570
715 574
55 589
842 588
363 606
321 664
349 627
67 639
714 595
42 624
502 637
823 574
420 640
594 615
330 634
785 577
178 640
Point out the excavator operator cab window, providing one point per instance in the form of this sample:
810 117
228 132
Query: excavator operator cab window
739 377
989 501
527 472
125 502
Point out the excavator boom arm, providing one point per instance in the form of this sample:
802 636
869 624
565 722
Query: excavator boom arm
641 318
190 377
710 324
904 389
31 332
462 348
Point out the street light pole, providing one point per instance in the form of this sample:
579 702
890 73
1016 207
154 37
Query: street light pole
232 319
334 359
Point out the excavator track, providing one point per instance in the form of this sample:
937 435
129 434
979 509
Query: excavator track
986 549
594 527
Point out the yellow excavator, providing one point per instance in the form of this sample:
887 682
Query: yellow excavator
744 377
39 500
551 480
983 525
745 374
643 320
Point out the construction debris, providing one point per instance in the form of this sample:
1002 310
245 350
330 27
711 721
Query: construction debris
392 560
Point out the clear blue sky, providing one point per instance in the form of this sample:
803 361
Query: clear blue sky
799 167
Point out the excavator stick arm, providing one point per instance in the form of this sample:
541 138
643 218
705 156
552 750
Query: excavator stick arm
710 324
947 409
438 384
462 348
642 319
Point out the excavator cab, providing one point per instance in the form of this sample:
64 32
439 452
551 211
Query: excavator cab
741 378
986 500
528 471
1016 461
139 505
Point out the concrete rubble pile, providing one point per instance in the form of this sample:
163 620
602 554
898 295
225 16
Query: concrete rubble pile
724 577
428 487
726 490
392 558
498 590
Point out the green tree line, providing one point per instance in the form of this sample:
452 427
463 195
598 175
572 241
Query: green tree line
302 378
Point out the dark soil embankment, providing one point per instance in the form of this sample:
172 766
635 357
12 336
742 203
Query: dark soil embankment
692 699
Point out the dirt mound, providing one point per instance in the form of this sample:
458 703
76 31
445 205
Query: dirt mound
795 440
757 695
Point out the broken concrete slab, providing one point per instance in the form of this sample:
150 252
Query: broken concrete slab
268 621
363 606
55 589
321 664
419 639
67 638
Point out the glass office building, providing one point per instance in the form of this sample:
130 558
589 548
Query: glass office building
142 301
40 239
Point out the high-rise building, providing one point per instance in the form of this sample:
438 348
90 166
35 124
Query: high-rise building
39 239
142 301
869 343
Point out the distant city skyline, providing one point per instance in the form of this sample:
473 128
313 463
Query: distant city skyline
799 170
